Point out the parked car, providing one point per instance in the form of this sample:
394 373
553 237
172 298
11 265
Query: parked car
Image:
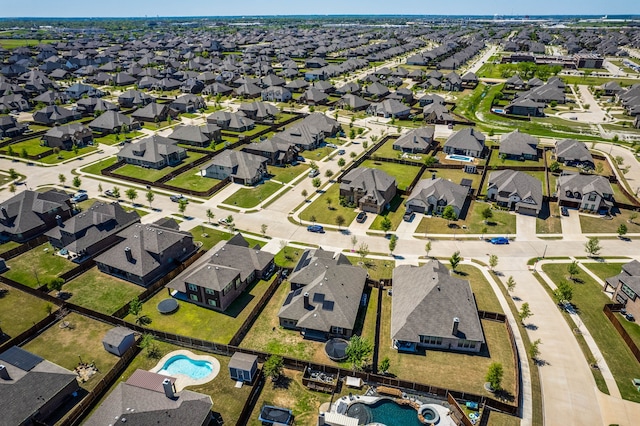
109 193
80 196
362 216
313 173
629 317
408 216
564 211
177 198
499 240
332 145
341 152
315 228
224 221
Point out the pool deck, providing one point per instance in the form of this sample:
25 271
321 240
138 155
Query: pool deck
183 381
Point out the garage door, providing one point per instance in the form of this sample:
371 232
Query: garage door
527 211
415 208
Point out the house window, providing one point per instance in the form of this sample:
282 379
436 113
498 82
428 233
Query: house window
431 340
466 344
192 287
626 290
209 291
337 330
194 297
592 197
212 302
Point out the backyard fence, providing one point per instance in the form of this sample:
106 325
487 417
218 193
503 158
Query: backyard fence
23 248
610 310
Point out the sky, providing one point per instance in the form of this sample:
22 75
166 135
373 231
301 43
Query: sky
150 8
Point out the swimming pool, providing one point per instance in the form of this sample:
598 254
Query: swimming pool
182 364
459 158
498 111
385 412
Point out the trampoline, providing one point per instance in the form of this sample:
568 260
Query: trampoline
277 415
336 349
168 306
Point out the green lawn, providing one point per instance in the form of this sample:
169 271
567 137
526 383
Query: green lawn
82 340
287 174
497 161
604 270
596 225
8 245
387 151
37 266
288 257
209 237
589 300
159 125
395 214
633 328
101 292
112 138
20 310
32 146
202 323
95 168
66 155
378 269
152 175
454 176
12 43
403 174
486 299
369 325
502 223
319 209
257 129
191 179
252 197
317 154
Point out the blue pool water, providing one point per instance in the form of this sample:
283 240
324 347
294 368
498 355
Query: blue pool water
180 364
499 111
459 158
386 412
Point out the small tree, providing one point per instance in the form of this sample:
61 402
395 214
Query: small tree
328 173
56 285
273 367
386 224
633 216
313 165
329 202
12 188
316 183
150 197
341 162
554 167
573 269
76 181
99 187
430 160
449 214
131 194
494 376
363 252
563 292
534 349
305 194
210 215
385 364
493 261
354 241
393 242
592 246
358 352
454 260
13 174
487 214
511 284
182 205
525 312
427 247
116 192
622 230
148 343
135 307
62 178
340 220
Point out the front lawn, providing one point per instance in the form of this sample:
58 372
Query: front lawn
597 225
112 138
378 269
589 299
403 174
288 257
502 222
193 180
454 176
288 173
20 310
67 155
101 292
95 168
152 175
395 214
486 299
548 221
202 323
31 146
604 270
317 154
79 341
209 236
321 212
38 266
252 197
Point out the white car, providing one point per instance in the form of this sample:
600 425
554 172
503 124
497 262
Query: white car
313 173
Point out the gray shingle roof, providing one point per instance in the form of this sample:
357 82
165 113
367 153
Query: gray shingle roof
116 335
152 149
420 138
468 138
440 189
110 120
512 182
571 149
517 143
24 209
243 164
373 182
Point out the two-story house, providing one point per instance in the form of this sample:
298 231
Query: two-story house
585 192
516 191
571 152
154 152
241 167
67 136
370 189
626 287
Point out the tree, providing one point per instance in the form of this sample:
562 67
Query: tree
354 241
494 376
358 352
99 187
427 247
76 181
13 174
56 284
263 229
554 167
563 292
592 246
534 349
182 206
116 192
12 188
385 364
131 194
393 242
75 149
599 168
210 215
24 154
363 252
305 194
341 162
454 260
493 261
150 197
135 307
622 230
573 269
316 183
148 343
328 173
340 220
430 160
273 367
449 214
62 178
525 312
313 165
511 284
633 216
386 224
487 214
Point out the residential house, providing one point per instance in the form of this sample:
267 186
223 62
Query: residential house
431 309
432 196
248 90
146 252
234 121
243 367
67 136
313 96
154 152
468 141
516 191
430 99
32 388
417 141
585 192
239 166
304 137
259 111
78 90
626 287
219 277
277 152
113 122
54 114
571 152
10 127
389 108
14 102
611 88
276 94
188 103
469 80
436 113
525 107
201 136
28 214
91 231
134 98
370 189
118 340
151 399
352 102
89 106
515 82
518 146
153 113
325 296
375 90
452 82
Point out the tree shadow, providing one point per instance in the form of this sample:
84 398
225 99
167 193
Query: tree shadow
460 273
540 362
282 382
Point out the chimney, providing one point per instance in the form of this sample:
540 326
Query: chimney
169 390
127 252
4 374
59 220
456 323
4 212
305 297
433 176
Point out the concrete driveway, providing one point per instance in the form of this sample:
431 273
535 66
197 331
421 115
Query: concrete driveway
571 228
525 228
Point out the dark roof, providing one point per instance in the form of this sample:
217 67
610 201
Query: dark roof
116 335
242 361
25 209
20 358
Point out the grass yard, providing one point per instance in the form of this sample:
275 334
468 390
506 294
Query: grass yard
8 245
369 325
227 399
191 179
12 43
112 138
288 257
213 236
81 340
67 155
20 310
404 174
387 151
317 154
394 214
450 370
252 197
32 146
257 129
597 225
152 175
319 209
38 266
497 161
502 223
202 323
454 176
101 292
95 168
589 300
159 125
548 221
286 174
633 328
604 270
378 269
486 299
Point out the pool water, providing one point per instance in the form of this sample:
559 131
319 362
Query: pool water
386 412
459 157
184 365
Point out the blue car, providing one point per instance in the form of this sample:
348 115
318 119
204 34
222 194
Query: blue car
499 240
315 228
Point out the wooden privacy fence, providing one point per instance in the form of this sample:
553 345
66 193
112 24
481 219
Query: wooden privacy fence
610 310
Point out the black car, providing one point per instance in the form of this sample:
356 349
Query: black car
564 211
177 198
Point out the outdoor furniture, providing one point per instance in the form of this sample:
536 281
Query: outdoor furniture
472 405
